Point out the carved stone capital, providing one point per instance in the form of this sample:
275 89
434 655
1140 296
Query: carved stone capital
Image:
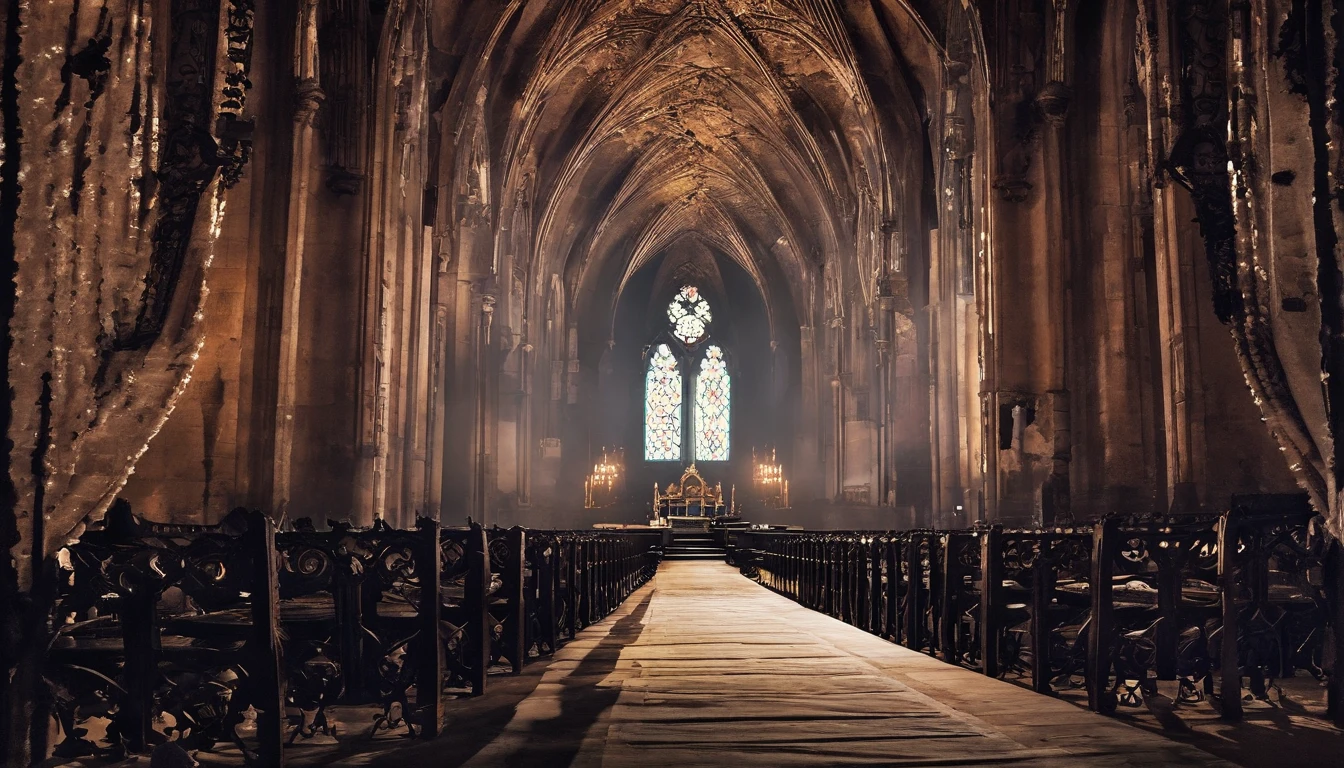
344 182
1054 100
1012 188
958 141
308 97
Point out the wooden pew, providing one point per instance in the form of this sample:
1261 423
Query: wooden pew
215 570
305 616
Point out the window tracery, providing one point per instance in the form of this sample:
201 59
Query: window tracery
690 315
666 388
662 407
713 401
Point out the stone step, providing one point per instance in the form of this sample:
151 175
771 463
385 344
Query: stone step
702 548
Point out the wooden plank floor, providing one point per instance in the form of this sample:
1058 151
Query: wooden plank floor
704 667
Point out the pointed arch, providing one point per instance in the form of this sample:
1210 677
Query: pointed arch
662 406
713 407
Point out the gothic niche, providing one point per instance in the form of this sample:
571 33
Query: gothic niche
342 41
1199 157
1019 55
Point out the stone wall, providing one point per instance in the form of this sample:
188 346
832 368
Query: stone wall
1054 303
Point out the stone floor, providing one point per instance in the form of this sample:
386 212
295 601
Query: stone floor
704 667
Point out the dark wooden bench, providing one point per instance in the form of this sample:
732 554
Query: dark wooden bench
1220 603
175 631
129 662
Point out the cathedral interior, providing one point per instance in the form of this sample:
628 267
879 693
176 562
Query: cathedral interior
363 349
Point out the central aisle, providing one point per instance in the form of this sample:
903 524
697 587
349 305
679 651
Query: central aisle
703 667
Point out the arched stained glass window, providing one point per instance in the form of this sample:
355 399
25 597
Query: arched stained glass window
690 316
662 407
713 401
665 430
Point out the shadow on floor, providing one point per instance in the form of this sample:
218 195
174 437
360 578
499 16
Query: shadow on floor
1284 734
553 742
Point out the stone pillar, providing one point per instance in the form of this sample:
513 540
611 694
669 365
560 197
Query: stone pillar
415 426
308 97
525 427
936 478
840 385
807 455
1177 302
480 490
438 408
886 306
838 455
1053 101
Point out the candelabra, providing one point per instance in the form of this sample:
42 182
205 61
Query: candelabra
604 485
768 479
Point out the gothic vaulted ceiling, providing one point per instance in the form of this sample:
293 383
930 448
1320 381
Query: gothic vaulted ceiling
781 134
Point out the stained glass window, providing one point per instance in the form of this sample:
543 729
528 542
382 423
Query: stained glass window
713 393
689 313
662 407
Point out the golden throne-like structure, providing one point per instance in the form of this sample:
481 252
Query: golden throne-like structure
692 500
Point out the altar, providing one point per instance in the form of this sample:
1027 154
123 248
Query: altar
691 501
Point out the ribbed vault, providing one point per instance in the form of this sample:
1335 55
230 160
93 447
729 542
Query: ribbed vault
584 145
626 124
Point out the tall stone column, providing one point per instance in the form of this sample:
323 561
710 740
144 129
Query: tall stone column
886 305
308 98
838 391
838 455
1176 301
525 427
438 410
937 413
809 463
481 486
1053 101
